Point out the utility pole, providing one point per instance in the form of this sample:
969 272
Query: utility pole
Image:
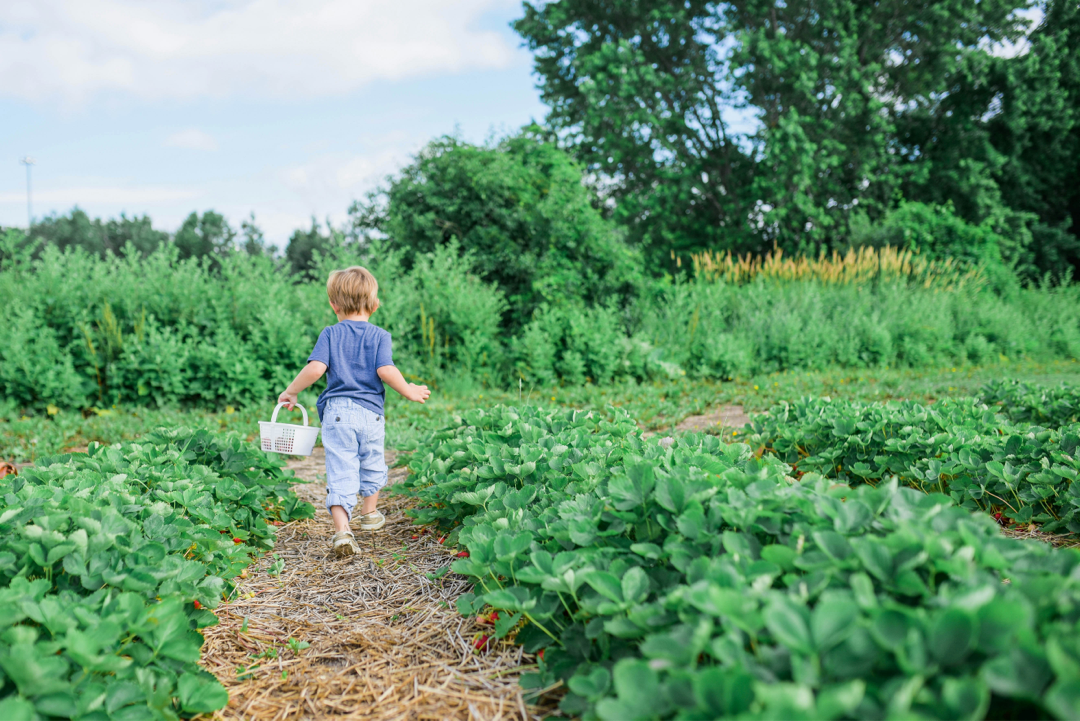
28 161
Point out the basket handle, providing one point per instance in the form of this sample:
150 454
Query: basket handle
273 418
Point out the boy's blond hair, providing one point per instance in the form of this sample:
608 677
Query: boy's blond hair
353 290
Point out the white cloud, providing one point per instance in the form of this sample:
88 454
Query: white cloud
71 50
192 139
335 180
113 195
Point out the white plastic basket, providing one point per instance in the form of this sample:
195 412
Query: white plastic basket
287 438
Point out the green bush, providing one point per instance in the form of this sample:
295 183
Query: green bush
932 231
720 330
700 581
106 559
576 344
153 368
521 207
35 370
96 331
235 328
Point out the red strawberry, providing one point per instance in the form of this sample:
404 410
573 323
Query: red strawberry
224 530
480 643
414 537
237 540
443 538
494 616
463 554
540 655
198 605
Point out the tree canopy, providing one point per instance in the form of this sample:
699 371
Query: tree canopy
1035 130
304 244
852 107
205 235
199 236
96 236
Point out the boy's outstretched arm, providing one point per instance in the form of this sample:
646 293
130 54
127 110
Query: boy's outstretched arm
312 372
392 377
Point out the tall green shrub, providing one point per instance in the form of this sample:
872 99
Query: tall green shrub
161 330
936 232
720 330
164 331
520 206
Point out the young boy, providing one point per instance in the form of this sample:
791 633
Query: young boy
356 356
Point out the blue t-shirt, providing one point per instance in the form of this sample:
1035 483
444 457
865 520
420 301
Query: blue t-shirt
353 351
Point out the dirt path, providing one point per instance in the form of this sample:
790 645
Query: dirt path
385 641
728 416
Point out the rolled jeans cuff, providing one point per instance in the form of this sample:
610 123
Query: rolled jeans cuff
340 499
371 483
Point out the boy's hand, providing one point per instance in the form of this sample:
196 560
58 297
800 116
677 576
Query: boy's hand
392 377
312 372
416 393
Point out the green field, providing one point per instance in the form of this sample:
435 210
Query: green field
657 405
842 559
754 372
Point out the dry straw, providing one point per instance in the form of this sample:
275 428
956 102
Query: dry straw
856 267
385 640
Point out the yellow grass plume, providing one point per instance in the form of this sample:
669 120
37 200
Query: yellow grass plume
856 267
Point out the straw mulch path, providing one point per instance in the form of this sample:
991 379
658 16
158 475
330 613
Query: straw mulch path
724 416
1032 533
385 641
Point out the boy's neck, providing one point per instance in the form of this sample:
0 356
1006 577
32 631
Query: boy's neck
360 317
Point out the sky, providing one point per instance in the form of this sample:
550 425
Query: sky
285 109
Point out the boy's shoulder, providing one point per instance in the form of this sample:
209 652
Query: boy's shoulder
379 331
349 327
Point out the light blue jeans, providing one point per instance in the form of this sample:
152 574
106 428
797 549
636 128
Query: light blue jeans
353 438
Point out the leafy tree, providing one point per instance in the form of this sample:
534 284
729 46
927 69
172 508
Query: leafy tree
848 96
520 207
1037 133
206 235
78 230
304 244
254 241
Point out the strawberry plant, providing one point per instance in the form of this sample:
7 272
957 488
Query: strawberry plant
1031 403
955 446
110 562
701 580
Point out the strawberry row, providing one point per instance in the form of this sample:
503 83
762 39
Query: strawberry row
110 562
1018 472
701 580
